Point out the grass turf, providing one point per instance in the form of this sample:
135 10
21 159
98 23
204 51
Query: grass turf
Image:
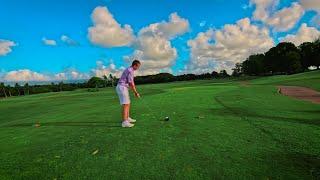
216 130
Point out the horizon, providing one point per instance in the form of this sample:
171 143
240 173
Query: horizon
75 40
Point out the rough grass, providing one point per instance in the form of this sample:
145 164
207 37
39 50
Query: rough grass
216 130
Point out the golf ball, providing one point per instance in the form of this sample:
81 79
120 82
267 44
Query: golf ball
166 118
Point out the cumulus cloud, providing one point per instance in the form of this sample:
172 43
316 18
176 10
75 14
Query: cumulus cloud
304 34
281 20
311 4
221 49
70 74
106 31
176 26
25 75
102 70
49 42
316 20
263 7
153 46
286 18
6 46
67 40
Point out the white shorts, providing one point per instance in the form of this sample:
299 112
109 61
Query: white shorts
123 93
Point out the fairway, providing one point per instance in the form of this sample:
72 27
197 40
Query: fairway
217 129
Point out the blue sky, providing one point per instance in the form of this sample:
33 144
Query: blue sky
26 23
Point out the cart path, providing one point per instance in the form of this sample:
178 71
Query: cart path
301 93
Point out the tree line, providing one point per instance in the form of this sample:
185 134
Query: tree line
94 83
285 58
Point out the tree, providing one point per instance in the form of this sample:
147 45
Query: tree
106 80
317 53
17 88
111 79
223 74
254 65
95 82
276 59
237 71
9 90
26 89
60 86
215 74
307 54
293 62
3 88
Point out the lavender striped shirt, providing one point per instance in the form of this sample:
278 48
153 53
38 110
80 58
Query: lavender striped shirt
126 77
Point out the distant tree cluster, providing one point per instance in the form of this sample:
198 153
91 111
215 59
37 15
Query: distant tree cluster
26 89
285 58
167 77
94 83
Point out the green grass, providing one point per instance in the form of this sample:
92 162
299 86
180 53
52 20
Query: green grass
216 130
308 79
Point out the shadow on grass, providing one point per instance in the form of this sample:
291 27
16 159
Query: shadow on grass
248 114
307 163
75 124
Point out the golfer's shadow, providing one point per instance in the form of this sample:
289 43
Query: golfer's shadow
75 124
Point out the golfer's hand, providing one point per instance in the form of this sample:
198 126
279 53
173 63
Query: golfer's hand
137 95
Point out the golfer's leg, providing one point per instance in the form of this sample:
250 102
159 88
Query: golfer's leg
123 112
125 115
129 110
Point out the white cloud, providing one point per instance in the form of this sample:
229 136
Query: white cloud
175 27
304 34
6 46
311 4
262 8
221 49
281 20
67 40
106 31
202 23
70 74
316 20
286 18
153 46
25 75
101 69
49 42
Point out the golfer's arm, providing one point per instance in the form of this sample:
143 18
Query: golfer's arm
133 87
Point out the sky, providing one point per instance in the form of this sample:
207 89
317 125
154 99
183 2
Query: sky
75 39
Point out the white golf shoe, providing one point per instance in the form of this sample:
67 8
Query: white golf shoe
131 120
127 124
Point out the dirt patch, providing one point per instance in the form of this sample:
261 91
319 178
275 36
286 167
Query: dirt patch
301 93
244 83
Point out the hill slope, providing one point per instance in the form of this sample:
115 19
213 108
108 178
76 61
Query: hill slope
308 79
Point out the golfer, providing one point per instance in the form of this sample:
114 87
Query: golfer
125 82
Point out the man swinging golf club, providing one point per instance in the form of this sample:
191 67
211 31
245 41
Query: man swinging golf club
125 82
